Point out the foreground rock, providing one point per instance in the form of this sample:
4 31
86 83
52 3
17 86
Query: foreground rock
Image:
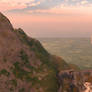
75 81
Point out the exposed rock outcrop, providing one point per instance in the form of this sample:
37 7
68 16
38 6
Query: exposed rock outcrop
75 81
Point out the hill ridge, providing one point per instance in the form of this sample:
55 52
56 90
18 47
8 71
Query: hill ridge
25 66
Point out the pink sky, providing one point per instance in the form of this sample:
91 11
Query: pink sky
57 21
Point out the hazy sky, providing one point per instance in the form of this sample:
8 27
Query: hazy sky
50 18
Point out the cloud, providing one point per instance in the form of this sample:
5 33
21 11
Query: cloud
17 4
41 6
34 4
84 2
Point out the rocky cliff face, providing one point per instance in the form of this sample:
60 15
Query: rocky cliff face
75 81
25 66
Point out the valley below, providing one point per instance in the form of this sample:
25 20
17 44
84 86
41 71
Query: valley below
76 51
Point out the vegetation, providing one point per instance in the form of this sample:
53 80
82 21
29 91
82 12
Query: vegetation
49 82
19 72
22 90
24 57
3 18
14 82
4 72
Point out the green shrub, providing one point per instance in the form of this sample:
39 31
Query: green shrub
11 90
14 82
24 57
21 73
22 90
4 72
5 60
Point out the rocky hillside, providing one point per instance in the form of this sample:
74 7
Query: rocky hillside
25 66
75 81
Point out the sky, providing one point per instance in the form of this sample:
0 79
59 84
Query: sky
50 18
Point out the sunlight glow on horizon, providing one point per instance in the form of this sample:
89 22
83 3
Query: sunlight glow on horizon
41 18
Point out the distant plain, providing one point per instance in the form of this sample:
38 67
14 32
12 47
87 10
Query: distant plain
73 50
